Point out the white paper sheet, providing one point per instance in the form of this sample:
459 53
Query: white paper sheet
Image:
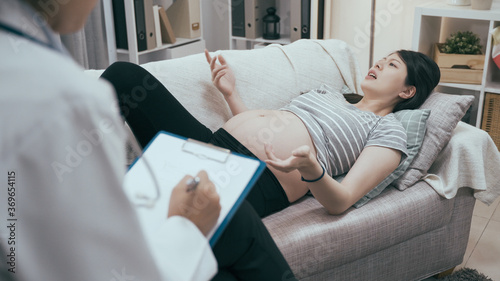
170 158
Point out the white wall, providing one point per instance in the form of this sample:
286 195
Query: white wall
395 21
351 23
393 26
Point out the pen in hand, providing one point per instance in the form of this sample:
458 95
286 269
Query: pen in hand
192 183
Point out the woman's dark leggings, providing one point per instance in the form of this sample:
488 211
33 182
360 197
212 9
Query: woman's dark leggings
245 251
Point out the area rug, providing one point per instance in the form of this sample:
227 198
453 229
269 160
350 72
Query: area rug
466 274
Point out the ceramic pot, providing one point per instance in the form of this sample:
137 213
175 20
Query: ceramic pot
481 4
459 2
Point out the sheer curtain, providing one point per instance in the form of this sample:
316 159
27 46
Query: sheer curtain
88 46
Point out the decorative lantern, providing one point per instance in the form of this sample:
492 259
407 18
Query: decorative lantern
271 24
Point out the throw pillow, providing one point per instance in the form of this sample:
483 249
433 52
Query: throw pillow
446 111
414 122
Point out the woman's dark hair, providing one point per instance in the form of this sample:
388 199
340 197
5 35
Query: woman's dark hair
423 74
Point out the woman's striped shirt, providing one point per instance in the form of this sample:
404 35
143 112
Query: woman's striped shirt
340 130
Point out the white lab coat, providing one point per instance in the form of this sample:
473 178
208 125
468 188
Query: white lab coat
61 135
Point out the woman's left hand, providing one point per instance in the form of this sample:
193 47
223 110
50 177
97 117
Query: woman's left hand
301 158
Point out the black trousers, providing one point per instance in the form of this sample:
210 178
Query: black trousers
245 251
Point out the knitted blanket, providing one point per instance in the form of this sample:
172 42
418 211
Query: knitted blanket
470 160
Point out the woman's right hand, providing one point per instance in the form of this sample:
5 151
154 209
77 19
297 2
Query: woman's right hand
300 159
222 75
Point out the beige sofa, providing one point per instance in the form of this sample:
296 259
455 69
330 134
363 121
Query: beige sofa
398 235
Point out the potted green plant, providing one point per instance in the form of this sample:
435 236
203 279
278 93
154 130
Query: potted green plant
460 58
462 42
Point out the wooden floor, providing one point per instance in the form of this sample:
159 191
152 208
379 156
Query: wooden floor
483 249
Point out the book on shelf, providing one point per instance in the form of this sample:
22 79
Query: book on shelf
238 18
149 23
119 21
184 15
167 33
295 20
140 25
317 19
300 19
321 19
327 18
156 18
144 24
307 19
314 19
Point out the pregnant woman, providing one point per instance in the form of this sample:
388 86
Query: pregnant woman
318 135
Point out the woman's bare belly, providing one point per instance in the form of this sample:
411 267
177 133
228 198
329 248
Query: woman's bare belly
284 130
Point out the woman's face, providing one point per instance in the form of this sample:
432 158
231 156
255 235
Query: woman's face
386 77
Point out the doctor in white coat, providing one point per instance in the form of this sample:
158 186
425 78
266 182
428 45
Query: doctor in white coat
63 213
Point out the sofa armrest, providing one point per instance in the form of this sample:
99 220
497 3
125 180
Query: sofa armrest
314 242
470 159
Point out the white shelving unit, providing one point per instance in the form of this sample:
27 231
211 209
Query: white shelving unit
182 46
435 22
283 11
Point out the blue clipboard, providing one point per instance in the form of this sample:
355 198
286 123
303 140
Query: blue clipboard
168 158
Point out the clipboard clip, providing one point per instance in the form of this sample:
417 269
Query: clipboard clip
205 150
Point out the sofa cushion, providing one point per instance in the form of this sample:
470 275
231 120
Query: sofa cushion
414 122
313 241
446 112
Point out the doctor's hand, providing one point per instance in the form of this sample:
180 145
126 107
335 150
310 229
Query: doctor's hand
302 159
201 205
222 75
